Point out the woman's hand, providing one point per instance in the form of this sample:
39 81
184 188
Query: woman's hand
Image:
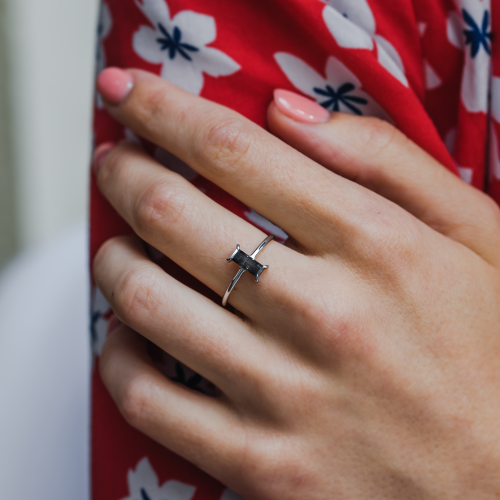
366 362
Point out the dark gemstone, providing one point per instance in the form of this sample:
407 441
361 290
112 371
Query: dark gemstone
248 264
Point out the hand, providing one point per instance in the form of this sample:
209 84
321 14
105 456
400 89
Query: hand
366 362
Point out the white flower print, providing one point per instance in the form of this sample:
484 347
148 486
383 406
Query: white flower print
454 30
143 484
389 59
103 29
471 31
346 32
357 11
230 495
100 312
432 79
339 91
180 46
466 174
352 24
266 225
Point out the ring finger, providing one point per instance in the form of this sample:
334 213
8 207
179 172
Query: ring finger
210 340
191 229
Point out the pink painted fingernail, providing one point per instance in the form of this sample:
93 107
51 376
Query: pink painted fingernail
100 154
114 85
300 108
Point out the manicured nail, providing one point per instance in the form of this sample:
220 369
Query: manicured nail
100 154
114 85
113 323
300 108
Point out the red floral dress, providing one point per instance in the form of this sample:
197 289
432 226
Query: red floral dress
431 67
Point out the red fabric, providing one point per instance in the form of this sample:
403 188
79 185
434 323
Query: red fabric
251 34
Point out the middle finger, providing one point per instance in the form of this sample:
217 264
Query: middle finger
246 161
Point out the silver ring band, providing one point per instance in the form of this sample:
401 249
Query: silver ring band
246 263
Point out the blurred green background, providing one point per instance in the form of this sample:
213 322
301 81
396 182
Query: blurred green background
46 93
9 238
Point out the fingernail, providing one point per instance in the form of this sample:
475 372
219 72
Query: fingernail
300 108
100 154
114 85
113 323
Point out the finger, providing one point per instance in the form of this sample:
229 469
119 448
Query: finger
198 234
376 155
207 338
243 159
201 429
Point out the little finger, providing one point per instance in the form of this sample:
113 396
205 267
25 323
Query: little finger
201 429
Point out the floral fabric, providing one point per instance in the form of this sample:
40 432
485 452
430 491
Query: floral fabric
430 67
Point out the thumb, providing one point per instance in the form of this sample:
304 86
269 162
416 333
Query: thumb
374 154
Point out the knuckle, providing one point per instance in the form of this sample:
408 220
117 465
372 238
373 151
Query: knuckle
386 236
379 134
270 465
134 401
331 328
390 252
335 334
225 144
401 250
137 295
491 211
160 206
393 263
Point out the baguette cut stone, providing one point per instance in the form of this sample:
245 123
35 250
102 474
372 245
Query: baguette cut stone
248 264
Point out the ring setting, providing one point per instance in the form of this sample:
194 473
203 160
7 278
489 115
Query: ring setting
247 263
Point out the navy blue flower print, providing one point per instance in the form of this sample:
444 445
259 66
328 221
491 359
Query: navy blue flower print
100 314
180 45
173 43
143 484
144 495
96 316
477 36
336 97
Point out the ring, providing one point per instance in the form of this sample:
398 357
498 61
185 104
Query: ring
246 263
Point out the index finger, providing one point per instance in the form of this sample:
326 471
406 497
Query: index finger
259 169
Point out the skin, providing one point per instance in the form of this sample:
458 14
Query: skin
366 362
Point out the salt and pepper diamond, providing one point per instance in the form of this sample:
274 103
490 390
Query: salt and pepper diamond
247 263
